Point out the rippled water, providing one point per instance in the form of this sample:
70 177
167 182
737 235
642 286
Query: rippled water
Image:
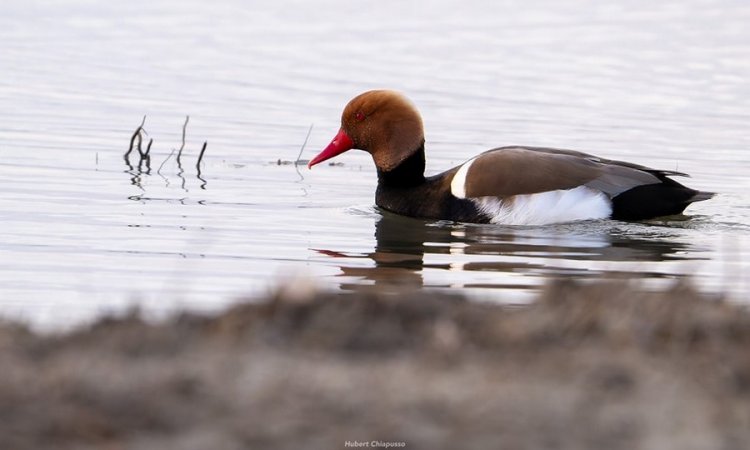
82 233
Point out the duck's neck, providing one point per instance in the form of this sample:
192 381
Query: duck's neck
409 173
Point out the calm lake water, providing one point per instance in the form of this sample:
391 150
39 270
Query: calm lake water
663 84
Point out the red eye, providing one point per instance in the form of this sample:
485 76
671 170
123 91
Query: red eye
360 116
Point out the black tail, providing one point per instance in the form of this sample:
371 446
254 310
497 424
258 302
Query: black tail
654 200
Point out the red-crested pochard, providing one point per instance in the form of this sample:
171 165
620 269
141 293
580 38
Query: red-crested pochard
509 185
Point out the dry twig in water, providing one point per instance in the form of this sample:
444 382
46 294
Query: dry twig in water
136 135
136 142
182 147
297 161
200 156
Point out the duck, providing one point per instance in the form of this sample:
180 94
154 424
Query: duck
511 185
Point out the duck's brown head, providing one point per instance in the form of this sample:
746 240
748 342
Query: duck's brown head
383 123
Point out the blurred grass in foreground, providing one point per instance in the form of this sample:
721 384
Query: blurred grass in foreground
584 367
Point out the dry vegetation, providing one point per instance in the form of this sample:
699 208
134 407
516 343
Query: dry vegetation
585 367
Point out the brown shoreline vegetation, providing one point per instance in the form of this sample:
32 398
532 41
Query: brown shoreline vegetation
600 366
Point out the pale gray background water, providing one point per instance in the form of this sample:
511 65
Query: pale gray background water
657 83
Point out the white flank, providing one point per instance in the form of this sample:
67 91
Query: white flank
458 183
580 203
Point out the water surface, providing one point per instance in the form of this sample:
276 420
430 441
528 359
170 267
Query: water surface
82 233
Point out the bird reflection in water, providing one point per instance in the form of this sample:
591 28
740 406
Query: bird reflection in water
413 252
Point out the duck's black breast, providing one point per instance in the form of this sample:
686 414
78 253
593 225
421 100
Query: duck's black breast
406 191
